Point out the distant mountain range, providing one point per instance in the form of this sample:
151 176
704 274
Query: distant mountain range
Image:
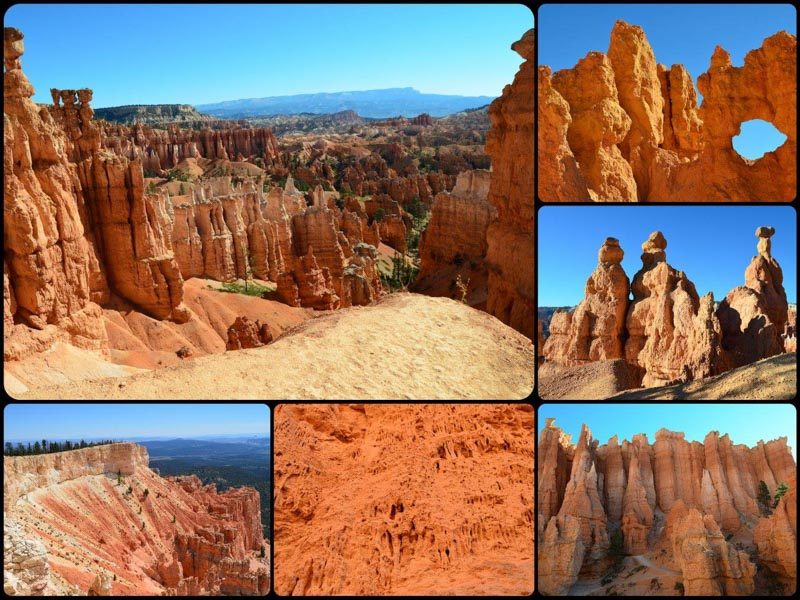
393 102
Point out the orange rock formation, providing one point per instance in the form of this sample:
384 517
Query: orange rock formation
679 496
509 256
618 127
108 524
668 332
454 242
403 499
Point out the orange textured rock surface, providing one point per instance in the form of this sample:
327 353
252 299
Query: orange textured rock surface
595 329
403 499
80 229
673 334
776 537
454 242
509 255
165 536
677 496
753 317
636 131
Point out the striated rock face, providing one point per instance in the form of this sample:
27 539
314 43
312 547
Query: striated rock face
454 242
776 538
26 571
560 177
710 566
636 131
445 493
509 256
595 329
169 536
753 317
673 335
682 496
79 228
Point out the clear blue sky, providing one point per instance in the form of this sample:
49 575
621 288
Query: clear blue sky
744 423
119 421
712 244
678 33
152 54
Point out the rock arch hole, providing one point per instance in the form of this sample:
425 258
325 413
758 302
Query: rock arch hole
756 138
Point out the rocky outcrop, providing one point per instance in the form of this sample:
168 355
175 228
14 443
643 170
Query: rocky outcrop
560 177
24 474
80 229
130 531
162 149
666 314
245 333
706 491
636 131
454 242
710 566
753 317
776 538
595 329
668 332
509 255
445 493
26 571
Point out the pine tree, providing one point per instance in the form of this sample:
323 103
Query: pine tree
782 489
37 449
44 446
20 449
9 449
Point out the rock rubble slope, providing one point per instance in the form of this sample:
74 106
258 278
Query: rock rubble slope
99 521
687 507
619 127
404 499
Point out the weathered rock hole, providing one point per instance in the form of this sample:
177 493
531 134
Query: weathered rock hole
756 138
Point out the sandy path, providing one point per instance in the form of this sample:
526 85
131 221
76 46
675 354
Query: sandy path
406 346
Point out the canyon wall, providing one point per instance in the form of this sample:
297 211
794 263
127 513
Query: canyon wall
619 127
443 494
454 242
682 496
79 228
510 251
668 333
105 523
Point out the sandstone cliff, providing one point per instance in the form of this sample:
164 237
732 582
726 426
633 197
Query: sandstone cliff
687 498
619 127
404 499
109 523
509 255
454 243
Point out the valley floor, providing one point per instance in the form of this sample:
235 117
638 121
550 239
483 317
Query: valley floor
406 346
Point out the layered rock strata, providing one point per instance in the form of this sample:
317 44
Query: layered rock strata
403 500
629 129
509 255
110 525
684 497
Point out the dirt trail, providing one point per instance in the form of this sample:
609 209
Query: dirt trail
406 346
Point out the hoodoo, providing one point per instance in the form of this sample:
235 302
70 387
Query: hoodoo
676 504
